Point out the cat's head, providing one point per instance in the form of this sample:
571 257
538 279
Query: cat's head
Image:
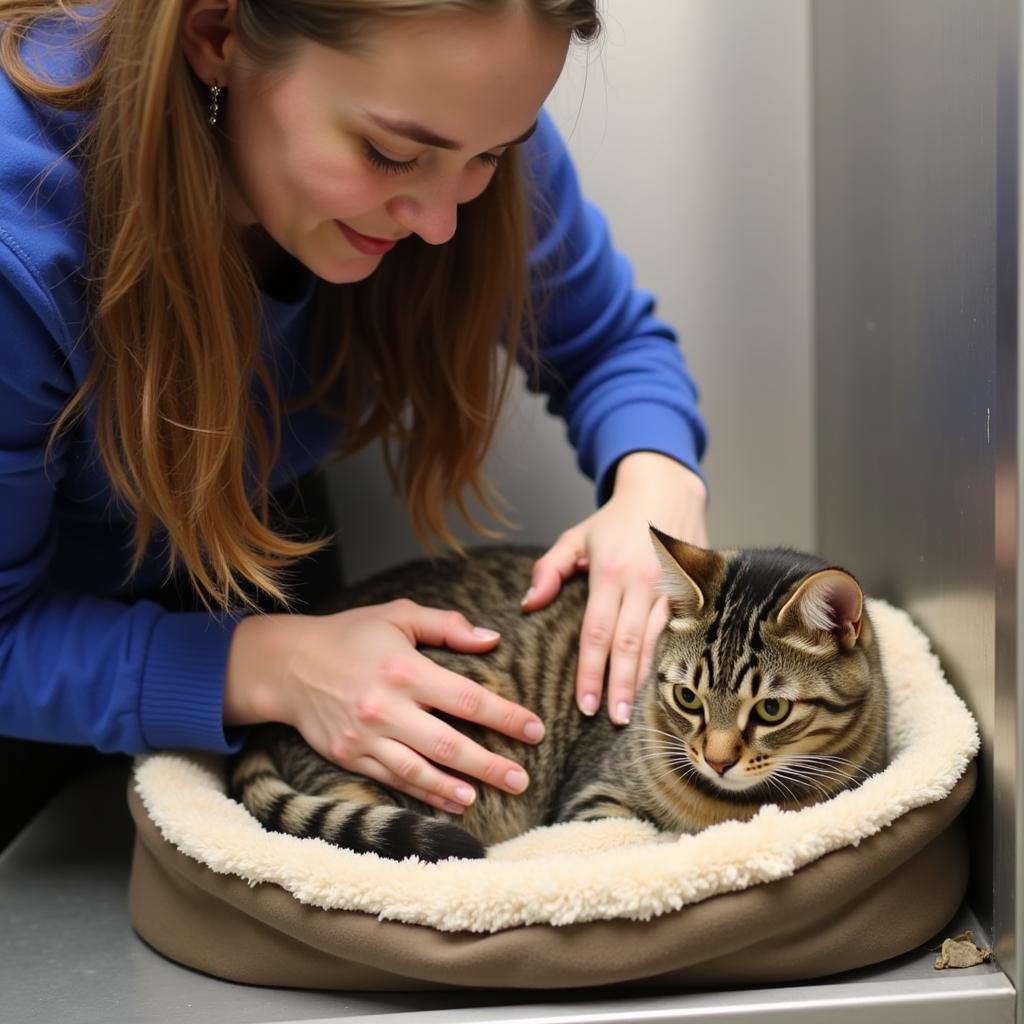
766 683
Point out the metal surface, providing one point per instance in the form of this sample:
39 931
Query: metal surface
67 953
1008 824
915 125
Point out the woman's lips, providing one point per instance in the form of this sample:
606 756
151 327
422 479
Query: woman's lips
366 244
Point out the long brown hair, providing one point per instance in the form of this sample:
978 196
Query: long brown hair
172 324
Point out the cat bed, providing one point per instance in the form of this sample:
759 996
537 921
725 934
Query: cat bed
790 895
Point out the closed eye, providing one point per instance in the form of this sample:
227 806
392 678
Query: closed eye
386 164
389 166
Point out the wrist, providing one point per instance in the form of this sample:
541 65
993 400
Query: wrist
258 658
665 493
647 470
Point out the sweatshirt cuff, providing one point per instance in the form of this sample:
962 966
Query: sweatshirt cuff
643 428
182 701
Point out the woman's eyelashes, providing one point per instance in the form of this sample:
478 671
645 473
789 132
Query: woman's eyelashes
386 164
389 166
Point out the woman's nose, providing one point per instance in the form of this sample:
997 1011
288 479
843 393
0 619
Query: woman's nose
430 213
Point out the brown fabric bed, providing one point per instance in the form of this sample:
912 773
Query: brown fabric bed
786 897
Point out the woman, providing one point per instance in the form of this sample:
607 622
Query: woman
235 236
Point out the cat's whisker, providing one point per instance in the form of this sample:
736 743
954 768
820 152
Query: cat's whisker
648 758
808 782
826 757
660 732
796 797
817 773
662 745
799 771
831 772
651 766
675 758
843 781
828 761
817 756
662 748
662 752
771 784
678 771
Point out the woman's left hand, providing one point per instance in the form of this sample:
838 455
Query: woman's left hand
625 613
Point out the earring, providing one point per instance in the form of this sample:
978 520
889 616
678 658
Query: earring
214 93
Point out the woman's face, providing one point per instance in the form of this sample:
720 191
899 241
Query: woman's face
339 156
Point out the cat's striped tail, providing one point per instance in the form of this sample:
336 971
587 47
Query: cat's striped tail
352 814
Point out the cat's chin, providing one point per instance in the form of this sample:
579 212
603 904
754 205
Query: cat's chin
733 785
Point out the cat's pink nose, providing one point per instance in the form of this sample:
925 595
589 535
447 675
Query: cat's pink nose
722 766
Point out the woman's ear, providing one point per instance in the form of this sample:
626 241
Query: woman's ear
208 39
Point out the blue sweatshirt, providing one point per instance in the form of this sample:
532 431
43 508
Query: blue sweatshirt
80 662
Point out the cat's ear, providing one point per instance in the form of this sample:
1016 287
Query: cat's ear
686 573
829 601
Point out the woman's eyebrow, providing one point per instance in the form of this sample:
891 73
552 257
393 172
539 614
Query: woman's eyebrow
417 133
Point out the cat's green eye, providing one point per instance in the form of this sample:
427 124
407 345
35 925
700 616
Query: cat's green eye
772 710
687 699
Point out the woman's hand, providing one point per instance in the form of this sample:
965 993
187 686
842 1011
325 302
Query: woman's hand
360 693
624 613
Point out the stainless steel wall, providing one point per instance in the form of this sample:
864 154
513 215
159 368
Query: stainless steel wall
915 136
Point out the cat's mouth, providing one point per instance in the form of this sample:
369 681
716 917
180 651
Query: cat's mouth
734 780
739 784
737 788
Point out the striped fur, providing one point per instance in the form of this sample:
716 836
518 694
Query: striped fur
750 631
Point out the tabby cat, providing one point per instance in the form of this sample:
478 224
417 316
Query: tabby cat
766 687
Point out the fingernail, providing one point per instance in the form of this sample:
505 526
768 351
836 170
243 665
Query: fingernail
623 712
589 704
453 808
485 634
516 779
533 731
465 795
528 596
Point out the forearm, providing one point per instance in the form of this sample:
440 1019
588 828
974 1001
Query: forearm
118 677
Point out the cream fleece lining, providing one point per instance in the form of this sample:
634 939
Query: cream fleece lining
580 871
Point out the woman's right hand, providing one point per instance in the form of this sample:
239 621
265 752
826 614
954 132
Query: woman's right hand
359 692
